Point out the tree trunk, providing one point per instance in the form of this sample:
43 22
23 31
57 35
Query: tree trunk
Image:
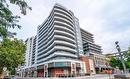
2 75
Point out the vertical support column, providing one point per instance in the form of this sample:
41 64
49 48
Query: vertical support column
35 73
73 69
83 68
100 69
46 70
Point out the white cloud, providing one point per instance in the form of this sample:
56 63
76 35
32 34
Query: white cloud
106 19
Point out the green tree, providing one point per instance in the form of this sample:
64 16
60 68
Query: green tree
11 53
127 58
7 19
115 62
127 55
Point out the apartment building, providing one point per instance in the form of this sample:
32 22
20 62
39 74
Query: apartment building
60 47
94 52
30 51
89 45
59 44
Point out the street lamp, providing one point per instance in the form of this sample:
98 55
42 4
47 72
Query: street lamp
121 57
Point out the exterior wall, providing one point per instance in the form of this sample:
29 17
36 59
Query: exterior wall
34 51
88 43
94 52
57 72
101 63
58 40
91 47
92 67
27 53
86 36
30 51
78 36
40 73
68 66
56 36
99 60
86 60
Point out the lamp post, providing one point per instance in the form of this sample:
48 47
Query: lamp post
120 55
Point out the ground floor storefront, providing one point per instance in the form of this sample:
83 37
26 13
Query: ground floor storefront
56 69
102 70
59 69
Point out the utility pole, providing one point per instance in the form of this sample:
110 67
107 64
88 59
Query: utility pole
120 55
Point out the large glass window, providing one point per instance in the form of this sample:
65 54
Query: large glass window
60 64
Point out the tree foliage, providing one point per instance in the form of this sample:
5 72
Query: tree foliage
127 57
11 53
115 61
7 19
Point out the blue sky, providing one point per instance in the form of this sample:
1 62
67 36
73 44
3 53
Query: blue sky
108 20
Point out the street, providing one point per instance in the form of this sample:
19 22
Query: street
99 76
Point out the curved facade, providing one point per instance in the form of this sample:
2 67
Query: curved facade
57 40
57 36
57 49
58 45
